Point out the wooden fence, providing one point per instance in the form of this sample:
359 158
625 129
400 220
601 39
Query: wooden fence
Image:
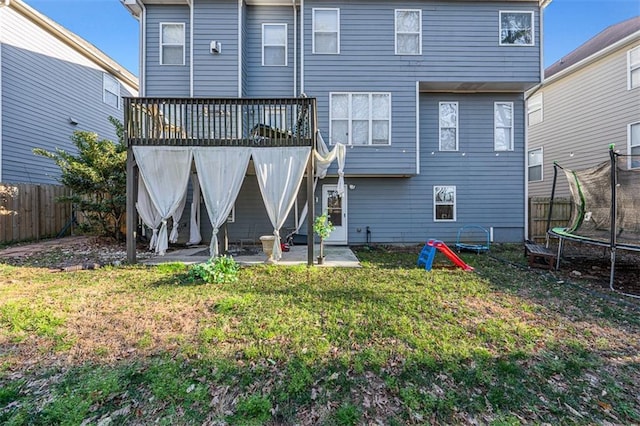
31 212
539 212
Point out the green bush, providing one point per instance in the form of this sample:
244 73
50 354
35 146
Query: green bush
97 178
222 269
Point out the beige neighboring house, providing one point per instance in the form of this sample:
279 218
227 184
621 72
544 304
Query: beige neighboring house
588 100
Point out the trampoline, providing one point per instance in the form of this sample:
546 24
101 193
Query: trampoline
606 207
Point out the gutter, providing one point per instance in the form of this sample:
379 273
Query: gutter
75 42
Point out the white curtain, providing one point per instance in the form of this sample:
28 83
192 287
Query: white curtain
165 171
279 171
324 158
194 226
173 237
148 213
221 171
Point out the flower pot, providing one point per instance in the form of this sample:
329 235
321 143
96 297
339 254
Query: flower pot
267 245
320 260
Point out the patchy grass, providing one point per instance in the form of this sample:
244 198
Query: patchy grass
292 345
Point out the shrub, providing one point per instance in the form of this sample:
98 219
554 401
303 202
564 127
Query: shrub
97 178
223 269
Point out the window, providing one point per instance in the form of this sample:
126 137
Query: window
360 118
274 45
444 203
448 126
516 28
634 145
534 109
110 91
633 59
326 31
535 165
171 44
503 126
408 32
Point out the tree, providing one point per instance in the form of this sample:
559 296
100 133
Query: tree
97 178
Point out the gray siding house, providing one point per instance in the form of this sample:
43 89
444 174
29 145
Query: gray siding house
52 83
588 100
428 96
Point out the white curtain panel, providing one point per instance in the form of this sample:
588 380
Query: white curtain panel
324 158
165 171
194 225
149 215
221 171
279 171
173 237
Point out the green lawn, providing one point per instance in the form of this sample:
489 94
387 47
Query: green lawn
294 345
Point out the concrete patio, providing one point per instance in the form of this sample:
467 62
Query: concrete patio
335 256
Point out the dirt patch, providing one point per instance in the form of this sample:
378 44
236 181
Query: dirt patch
67 252
592 263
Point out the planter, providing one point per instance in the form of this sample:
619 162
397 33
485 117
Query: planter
267 246
320 260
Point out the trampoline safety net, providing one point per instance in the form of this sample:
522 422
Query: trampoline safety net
591 196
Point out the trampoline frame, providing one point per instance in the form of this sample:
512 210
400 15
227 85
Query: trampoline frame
611 243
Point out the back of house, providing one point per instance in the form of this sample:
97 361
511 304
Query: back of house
428 97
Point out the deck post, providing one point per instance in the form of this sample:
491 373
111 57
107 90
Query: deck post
131 207
310 206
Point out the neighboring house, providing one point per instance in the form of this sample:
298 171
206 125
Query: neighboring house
52 83
588 100
427 95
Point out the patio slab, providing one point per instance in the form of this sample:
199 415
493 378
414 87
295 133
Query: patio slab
335 256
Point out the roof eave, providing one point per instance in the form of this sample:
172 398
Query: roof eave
593 58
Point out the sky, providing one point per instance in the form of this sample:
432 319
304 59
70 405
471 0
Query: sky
109 26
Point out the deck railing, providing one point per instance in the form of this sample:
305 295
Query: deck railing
220 122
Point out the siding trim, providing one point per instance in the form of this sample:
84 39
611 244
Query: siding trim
1 114
240 48
190 49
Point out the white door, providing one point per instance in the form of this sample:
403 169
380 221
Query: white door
336 208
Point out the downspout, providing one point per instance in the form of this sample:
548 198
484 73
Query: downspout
526 167
301 46
190 48
417 127
240 43
295 49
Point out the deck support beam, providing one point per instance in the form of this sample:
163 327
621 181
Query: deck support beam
132 217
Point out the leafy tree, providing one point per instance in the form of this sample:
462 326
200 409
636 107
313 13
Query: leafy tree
96 176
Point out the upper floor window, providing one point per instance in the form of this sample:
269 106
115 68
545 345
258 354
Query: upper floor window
535 165
110 90
534 109
444 203
360 118
326 31
516 28
634 145
633 59
172 44
448 126
408 32
274 44
503 126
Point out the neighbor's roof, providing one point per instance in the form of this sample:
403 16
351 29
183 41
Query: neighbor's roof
606 38
74 41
